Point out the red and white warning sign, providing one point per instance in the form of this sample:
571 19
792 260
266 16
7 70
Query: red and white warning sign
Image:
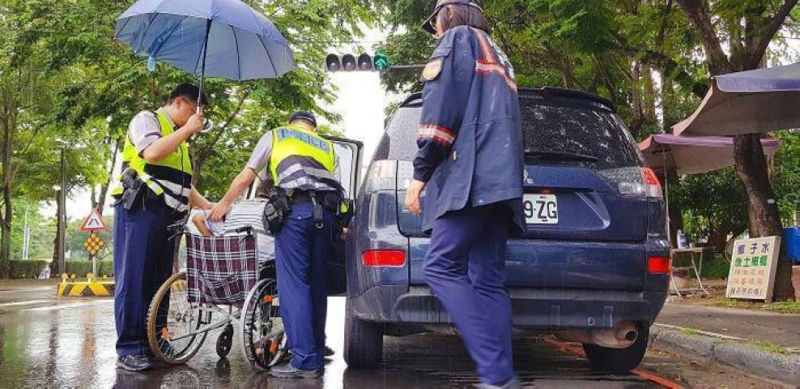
94 222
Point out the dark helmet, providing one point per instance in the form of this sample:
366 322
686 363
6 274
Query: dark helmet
429 24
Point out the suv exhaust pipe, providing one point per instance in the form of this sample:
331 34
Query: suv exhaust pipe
623 335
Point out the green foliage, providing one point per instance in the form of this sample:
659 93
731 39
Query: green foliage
65 82
42 231
26 269
787 175
717 269
713 204
82 268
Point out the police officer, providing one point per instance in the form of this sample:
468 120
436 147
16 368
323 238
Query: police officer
153 192
304 165
470 165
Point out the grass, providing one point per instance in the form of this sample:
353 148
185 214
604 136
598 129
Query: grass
689 331
782 307
771 347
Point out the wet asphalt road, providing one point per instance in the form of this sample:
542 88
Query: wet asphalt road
49 342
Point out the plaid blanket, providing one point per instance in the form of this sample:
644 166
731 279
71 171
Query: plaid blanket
222 269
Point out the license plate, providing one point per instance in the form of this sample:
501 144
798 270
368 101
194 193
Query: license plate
540 209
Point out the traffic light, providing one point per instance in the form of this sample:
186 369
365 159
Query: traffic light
333 63
381 61
364 62
348 62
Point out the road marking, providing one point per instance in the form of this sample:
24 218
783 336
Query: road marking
20 303
71 305
641 373
694 330
38 289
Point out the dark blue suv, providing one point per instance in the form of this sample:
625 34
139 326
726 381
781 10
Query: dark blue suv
592 267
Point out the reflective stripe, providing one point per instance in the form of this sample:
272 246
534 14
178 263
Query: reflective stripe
495 68
175 189
175 204
488 53
319 173
305 183
437 133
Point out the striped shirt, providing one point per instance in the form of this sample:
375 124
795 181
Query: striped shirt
246 213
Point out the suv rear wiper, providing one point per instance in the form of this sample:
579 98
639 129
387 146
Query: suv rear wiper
554 155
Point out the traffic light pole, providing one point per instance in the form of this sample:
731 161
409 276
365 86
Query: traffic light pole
62 215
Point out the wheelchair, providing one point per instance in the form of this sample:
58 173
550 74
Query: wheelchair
224 285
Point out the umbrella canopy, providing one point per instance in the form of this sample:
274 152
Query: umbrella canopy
694 155
749 102
241 43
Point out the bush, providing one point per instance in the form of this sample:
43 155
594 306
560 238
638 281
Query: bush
81 268
26 269
716 269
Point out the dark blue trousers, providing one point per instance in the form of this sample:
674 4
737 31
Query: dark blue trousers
143 256
465 268
302 251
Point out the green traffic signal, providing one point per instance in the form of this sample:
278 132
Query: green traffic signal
381 61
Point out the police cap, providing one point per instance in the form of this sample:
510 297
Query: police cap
430 23
305 115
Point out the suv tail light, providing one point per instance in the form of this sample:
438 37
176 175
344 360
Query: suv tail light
635 181
384 258
658 265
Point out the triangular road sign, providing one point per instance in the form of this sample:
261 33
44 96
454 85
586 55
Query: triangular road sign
94 222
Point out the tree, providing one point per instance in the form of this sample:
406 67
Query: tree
747 28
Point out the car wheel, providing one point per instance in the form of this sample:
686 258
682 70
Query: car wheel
618 360
363 341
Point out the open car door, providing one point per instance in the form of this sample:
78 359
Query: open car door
348 154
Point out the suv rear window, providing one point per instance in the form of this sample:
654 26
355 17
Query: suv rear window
564 129
560 127
400 141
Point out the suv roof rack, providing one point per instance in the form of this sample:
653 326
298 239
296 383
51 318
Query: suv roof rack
546 93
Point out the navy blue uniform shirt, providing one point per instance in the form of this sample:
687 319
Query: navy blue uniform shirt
470 137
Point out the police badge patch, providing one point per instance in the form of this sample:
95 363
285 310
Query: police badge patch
432 69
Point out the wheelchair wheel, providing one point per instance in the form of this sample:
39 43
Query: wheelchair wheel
263 339
225 341
173 323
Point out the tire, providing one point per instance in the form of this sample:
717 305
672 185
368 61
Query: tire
619 360
225 341
181 317
264 342
363 341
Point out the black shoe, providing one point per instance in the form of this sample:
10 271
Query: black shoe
134 363
329 352
289 371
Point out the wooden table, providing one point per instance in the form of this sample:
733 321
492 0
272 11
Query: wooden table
696 254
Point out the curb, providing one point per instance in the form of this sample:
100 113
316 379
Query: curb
85 289
784 368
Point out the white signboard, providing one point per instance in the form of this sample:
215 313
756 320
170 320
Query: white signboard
753 266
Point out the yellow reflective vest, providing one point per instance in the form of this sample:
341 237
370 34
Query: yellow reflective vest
170 177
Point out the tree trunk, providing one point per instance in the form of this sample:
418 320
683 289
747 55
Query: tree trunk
56 242
9 125
101 201
751 167
636 103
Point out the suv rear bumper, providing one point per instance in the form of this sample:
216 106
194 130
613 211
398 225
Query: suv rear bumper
532 308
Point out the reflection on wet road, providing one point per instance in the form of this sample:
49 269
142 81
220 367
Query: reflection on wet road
70 343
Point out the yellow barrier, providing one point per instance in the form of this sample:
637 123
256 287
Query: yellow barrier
90 288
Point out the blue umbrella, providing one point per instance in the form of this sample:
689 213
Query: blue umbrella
215 38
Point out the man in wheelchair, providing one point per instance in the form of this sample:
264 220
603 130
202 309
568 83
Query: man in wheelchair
245 213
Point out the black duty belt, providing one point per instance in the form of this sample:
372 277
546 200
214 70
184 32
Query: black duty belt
300 197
